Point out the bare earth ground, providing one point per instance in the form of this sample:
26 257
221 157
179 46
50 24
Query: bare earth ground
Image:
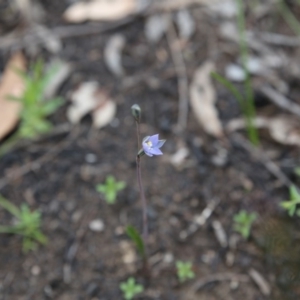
81 264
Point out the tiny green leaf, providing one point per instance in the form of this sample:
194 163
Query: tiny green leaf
110 189
28 224
137 239
291 205
184 270
243 222
130 288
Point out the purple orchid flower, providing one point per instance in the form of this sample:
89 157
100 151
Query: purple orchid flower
151 145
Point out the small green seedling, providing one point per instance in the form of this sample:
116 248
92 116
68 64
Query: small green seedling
291 205
130 288
184 270
35 108
28 225
110 189
243 222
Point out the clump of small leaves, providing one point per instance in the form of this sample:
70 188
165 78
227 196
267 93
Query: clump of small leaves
27 224
184 270
291 205
110 189
130 288
35 108
243 222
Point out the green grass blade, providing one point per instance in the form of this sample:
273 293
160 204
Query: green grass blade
14 210
137 239
226 83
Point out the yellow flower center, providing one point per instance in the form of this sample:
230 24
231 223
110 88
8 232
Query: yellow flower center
149 143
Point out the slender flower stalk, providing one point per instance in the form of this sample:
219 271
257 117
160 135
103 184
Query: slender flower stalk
150 147
143 198
136 112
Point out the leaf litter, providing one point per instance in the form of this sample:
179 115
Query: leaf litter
12 84
113 54
203 99
283 129
89 98
100 10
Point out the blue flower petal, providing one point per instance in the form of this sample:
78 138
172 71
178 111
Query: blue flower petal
154 139
155 151
160 143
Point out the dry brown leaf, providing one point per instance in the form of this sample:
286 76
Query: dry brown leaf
89 98
11 85
113 54
203 98
283 129
100 10
104 113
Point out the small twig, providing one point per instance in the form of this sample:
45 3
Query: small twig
21 39
23 143
35 165
180 68
281 100
262 157
279 39
199 220
73 248
219 277
220 233
261 282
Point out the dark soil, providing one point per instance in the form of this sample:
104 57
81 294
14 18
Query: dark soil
78 263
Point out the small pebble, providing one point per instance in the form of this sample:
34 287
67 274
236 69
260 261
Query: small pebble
234 284
168 258
91 158
209 257
35 270
128 252
76 216
230 258
235 73
96 225
119 230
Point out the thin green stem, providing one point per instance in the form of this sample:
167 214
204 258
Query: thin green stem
249 107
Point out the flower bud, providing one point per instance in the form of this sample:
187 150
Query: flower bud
136 112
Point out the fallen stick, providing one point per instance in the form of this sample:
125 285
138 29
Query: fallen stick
262 157
261 282
219 277
281 100
37 164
